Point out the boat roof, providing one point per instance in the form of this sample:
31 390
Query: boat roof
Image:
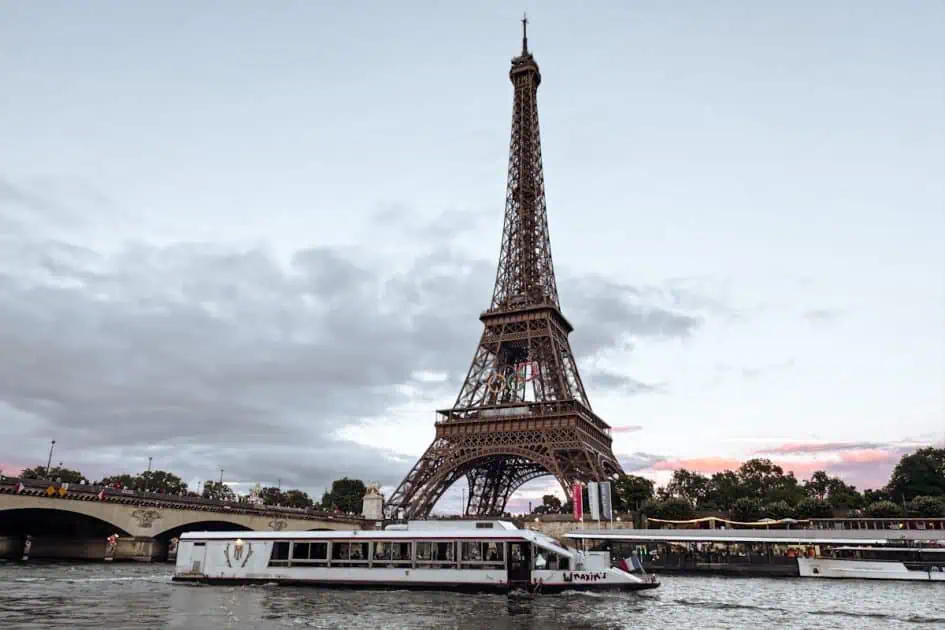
385 534
779 536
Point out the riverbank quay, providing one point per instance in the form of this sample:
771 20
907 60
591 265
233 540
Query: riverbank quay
739 552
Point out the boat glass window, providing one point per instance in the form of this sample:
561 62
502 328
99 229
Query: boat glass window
435 554
392 554
483 555
313 551
345 553
280 553
549 561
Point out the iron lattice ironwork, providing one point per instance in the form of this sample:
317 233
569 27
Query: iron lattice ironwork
522 412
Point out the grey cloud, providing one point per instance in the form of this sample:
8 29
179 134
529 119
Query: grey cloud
752 372
207 356
639 461
608 379
822 316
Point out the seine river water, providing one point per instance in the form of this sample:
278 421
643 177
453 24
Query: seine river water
115 597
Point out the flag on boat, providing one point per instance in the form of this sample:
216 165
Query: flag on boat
20 487
593 500
577 498
630 564
101 494
606 503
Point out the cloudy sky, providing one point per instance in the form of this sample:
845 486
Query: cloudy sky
257 236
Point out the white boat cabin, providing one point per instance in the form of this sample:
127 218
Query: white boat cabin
448 555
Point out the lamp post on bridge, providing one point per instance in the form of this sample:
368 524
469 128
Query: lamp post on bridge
52 445
149 463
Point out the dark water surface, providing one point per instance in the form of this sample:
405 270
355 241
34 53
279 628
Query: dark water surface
115 597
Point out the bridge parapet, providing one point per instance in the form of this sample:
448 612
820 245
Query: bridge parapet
54 491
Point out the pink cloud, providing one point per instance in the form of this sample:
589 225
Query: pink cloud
802 448
706 465
10 470
862 467
629 428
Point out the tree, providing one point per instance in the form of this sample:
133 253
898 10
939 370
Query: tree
632 491
271 495
833 490
813 508
550 504
747 510
148 481
724 489
883 509
691 486
933 507
872 496
672 509
217 491
65 475
297 499
817 486
764 479
920 474
345 495
778 510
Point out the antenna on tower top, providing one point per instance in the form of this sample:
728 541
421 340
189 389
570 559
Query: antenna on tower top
524 34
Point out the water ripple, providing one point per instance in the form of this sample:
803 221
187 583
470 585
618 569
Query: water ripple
120 597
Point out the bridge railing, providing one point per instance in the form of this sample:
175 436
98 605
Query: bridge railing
91 490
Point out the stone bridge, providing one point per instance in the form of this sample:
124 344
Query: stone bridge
73 521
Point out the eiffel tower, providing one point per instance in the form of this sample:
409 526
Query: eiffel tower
522 412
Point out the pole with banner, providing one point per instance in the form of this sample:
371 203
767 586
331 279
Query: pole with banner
606 503
593 501
577 498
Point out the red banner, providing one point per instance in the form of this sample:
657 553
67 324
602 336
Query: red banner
577 497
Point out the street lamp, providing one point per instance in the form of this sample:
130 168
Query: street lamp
149 463
221 476
52 445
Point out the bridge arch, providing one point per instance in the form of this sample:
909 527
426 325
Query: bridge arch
54 521
204 523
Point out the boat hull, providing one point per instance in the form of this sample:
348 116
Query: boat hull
864 570
458 587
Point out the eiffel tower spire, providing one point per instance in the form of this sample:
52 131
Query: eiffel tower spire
522 411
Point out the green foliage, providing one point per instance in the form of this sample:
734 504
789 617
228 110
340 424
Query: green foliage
763 479
56 473
883 509
148 481
346 495
747 510
833 490
725 490
813 508
272 495
631 491
672 509
932 507
919 474
550 504
297 499
217 491
691 486
778 510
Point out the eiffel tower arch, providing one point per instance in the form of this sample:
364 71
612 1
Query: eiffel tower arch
522 412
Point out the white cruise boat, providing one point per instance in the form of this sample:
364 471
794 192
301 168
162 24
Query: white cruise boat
434 555
922 564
